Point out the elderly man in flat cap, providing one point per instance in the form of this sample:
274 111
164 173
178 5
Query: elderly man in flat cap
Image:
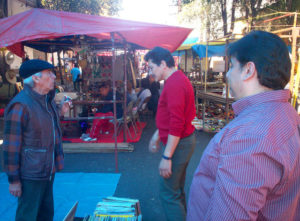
32 142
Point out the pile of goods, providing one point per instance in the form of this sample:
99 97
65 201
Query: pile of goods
215 118
117 209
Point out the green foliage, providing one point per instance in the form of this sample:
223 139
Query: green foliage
184 2
94 7
272 8
285 5
204 17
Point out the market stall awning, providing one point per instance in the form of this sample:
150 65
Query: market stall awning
33 25
188 43
212 50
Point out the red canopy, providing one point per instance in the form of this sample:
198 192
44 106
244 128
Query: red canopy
48 24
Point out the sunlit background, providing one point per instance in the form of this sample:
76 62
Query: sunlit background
154 11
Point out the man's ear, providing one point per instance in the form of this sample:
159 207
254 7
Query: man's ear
35 79
249 71
163 63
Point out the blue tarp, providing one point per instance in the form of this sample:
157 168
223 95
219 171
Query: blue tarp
192 40
87 188
200 50
178 53
213 50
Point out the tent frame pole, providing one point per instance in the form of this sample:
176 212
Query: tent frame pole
125 92
125 88
112 35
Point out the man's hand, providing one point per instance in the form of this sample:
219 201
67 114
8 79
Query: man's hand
65 108
154 146
65 104
165 168
15 189
154 143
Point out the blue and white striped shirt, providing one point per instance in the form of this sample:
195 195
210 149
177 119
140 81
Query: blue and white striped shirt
251 169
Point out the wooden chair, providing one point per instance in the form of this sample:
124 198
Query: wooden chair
128 121
135 114
144 111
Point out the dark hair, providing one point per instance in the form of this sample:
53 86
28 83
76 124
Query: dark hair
269 54
145 83
159 54
104 84
76 65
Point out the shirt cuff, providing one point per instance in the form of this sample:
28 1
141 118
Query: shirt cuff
176 133
13 179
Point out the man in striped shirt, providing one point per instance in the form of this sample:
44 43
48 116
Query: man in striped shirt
251 169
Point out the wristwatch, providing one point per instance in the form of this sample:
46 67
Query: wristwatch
166 158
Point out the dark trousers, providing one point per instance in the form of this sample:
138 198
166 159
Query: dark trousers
172 193
76 85
36 201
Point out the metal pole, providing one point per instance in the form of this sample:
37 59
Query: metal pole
295 92
60 69
185 62
134 79
295 32
178 65
52 58
112 35
227 86
205 79
125 92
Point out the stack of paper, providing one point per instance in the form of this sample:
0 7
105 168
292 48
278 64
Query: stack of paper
117 209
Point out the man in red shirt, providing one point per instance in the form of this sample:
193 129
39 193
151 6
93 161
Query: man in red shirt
175 112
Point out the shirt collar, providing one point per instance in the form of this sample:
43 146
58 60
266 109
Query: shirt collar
269 96
172 75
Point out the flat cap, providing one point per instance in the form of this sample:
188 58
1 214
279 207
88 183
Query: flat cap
33 66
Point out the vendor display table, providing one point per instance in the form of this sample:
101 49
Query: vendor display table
214 97
88 103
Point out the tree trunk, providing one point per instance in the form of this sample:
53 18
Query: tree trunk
247 13
224 16
255 6
234 2
39 4
253 12
289 4
3 8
